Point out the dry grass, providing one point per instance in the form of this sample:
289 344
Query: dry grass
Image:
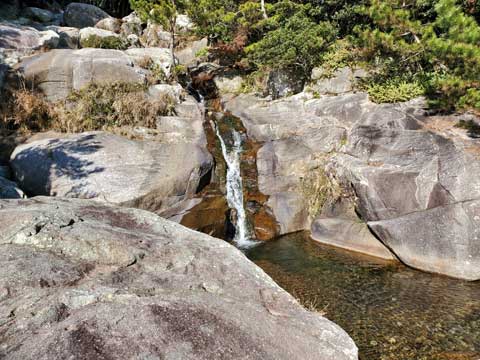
318 188
95 107
27 110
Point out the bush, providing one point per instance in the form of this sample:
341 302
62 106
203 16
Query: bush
108 42
98 107
394 90
95 107
28 111
298 45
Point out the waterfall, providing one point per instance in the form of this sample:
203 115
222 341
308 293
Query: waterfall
235 189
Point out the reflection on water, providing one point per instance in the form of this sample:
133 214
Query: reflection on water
391 311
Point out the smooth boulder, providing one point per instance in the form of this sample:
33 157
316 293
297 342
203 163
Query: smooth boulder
102 166
58 72
412 179
86 280
83 15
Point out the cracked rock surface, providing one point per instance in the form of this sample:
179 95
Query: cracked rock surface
411 178
85 280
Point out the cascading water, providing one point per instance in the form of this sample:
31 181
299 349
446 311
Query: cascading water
235 188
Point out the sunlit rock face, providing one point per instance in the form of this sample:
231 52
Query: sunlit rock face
413 179
85 279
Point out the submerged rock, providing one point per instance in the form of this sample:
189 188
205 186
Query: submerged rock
83 279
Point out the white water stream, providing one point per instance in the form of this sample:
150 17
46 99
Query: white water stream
235 189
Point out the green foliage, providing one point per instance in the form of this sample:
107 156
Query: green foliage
298 44
108 42
394 90
426 37
163 12
214 18
338 55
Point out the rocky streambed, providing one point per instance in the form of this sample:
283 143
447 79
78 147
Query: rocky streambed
391 311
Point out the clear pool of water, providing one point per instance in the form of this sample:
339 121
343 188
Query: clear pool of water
392 312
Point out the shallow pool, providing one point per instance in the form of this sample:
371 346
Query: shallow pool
391 311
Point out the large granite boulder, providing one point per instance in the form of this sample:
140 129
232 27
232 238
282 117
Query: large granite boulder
83 15
40 15
98 165
58 72
85 280
411 179
19 37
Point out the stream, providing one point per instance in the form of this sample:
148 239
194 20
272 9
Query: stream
392 312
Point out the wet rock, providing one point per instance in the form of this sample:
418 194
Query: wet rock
77 276
83 15
58 72
105 167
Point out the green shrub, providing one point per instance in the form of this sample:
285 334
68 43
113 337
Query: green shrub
108 42
298 45
394 90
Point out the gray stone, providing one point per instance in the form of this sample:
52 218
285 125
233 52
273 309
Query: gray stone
9 189
105 167
83 15
58 72
17 37
188 54
441 239
174 92
339 83
40 15
86 35
69 37
83 279
155 36
229 85
110 24
283 83
131 25
409 176
159 56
